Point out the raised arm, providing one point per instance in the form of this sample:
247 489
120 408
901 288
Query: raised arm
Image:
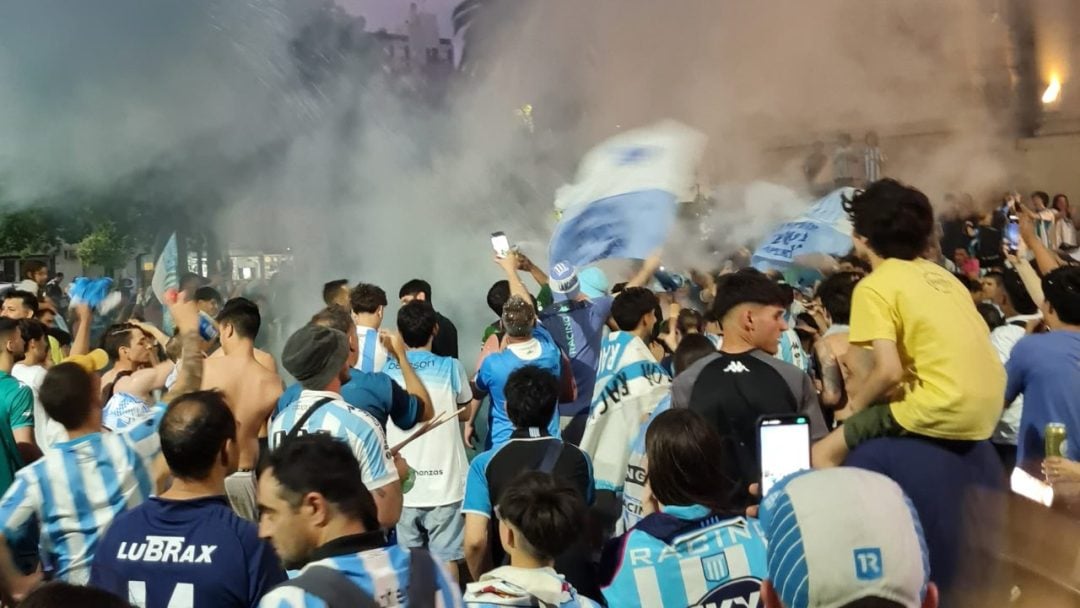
186 316
1045 259
80 344
524 263
509 264
646 272
395 347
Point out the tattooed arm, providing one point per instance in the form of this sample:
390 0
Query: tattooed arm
186 316
832 380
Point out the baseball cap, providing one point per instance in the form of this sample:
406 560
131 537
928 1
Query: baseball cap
842 534
93 361
563 281
314 355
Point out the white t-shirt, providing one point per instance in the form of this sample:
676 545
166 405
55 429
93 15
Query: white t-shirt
438 457
32 376
1004 338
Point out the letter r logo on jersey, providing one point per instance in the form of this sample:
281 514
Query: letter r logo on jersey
868 566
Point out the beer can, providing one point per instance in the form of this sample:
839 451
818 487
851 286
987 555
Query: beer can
1054 436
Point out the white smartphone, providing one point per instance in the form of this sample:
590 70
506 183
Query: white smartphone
1031 488
500 244
783 447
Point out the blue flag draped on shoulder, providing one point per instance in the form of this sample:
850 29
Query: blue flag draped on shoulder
824 229
623 204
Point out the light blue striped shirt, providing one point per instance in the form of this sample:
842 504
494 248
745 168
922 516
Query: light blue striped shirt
354 426
382 573
76 490
122 410
373 355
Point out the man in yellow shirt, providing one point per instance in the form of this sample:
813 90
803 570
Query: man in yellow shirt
921 348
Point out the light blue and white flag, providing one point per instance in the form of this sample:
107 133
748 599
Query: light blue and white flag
166 280
623 204
824 229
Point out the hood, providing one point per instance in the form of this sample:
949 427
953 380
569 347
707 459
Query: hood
510 586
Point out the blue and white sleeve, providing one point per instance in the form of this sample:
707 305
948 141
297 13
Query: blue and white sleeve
19 506
143 436
290 597
369 445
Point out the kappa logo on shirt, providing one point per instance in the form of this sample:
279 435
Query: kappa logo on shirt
165 549
736 367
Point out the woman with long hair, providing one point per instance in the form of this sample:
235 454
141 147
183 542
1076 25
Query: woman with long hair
694 547
1064 234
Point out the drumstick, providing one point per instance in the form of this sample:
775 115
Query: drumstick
437 422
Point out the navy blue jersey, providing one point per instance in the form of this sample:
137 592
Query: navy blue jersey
185 553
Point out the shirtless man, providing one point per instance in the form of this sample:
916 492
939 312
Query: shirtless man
250 389
834 354
264 358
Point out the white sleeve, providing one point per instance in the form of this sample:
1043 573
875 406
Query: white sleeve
369 444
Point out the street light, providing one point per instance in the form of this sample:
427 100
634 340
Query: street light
1053 91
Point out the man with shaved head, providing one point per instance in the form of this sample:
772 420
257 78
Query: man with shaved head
187 545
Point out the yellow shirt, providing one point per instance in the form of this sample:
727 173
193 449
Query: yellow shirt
55 353
954 384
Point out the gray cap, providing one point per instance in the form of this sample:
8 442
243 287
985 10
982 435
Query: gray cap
314 355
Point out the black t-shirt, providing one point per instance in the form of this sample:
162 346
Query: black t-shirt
445 343
525 453
733 391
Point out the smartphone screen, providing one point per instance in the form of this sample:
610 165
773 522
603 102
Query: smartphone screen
1012 233
500 244
1031 487
784 447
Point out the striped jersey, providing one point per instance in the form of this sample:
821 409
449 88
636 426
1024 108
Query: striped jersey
873 158
76 490
684 557
373 354
634 486
439 456
514 586
382 573
122 410
340 420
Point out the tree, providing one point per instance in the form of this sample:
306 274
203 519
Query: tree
26 232
105 247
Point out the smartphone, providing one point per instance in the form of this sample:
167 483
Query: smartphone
1012 234
500 244
1031 488
783 447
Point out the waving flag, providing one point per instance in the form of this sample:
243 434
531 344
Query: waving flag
824 229
623 204
166 280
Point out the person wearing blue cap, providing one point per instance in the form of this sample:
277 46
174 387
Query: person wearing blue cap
576 320
844 537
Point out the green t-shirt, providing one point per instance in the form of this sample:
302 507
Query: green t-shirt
16 411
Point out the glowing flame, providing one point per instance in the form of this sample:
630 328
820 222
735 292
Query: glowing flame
1053 90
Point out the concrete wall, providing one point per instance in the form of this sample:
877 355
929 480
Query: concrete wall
1052 163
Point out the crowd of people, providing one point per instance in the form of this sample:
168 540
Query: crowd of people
615 427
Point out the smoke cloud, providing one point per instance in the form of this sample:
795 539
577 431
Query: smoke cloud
365 178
